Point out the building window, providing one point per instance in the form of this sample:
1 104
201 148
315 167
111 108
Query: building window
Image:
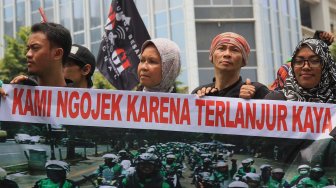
9 19
95 48
48 3
223 12
20 14
204 2
212 29
95 13
106 8
305 14
178 35
161 19
175 3
35 5
142 6
242 2
143 10
49 10
176 15
79 38
205 75
96 38
65 14
78 17
160 5
35 14
161 32
95 34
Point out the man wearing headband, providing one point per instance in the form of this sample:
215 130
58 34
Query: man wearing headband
229 53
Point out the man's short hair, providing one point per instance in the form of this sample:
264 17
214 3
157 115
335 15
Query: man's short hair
57 35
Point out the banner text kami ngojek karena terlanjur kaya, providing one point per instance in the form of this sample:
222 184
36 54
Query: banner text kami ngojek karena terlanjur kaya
165 111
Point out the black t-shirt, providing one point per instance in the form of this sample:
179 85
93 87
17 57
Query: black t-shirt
32 81
234 90
276 95
8 184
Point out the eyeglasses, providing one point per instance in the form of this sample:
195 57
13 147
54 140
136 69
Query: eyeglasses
313 62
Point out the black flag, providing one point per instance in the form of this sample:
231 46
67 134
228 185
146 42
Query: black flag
119 52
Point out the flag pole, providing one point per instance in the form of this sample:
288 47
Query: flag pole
44 17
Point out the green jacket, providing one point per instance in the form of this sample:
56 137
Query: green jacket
133 181
296 179
134 153
116 169
108 173
47 183
307 182
220 176
272 183
170 169
242 172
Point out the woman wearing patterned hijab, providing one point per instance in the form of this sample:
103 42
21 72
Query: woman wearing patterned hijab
311 76
159 65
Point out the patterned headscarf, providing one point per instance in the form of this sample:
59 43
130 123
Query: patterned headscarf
171 63
324 92
231 38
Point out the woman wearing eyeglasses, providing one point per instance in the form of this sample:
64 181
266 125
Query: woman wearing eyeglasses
312 75
311 78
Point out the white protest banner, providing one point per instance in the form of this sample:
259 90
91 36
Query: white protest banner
164 111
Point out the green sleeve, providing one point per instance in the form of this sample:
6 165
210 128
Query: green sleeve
213 176
165 185
233 169
37 184
294 180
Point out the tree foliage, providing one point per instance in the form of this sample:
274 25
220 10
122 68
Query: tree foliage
100 82
180 88
14 61
333 51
